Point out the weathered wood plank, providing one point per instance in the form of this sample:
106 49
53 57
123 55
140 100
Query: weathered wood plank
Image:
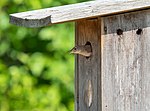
44 17
76 72
88 69
126 62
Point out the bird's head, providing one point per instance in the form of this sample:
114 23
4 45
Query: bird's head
76 50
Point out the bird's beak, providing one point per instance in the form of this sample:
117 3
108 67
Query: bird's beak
70 51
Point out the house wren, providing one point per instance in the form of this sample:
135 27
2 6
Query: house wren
84 50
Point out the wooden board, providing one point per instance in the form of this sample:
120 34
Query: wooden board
87 70
48 16
126 62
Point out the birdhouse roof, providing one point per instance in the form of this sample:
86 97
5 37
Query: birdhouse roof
73 12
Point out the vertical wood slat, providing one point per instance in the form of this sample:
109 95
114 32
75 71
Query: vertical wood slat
126 62
87 70
76 74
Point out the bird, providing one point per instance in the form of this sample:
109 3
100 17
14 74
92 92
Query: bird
84 50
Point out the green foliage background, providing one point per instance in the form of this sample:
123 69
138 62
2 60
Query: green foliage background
36 72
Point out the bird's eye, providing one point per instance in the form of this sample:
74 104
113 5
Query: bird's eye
75 48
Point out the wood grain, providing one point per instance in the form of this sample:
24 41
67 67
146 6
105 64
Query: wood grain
48 16
87 70
126 62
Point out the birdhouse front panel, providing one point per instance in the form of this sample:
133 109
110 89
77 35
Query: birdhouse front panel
88 69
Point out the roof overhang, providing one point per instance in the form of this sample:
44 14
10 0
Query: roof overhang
49 16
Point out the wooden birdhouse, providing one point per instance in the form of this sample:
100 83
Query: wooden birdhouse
117 75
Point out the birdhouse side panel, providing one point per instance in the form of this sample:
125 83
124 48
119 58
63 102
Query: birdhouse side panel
125 53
